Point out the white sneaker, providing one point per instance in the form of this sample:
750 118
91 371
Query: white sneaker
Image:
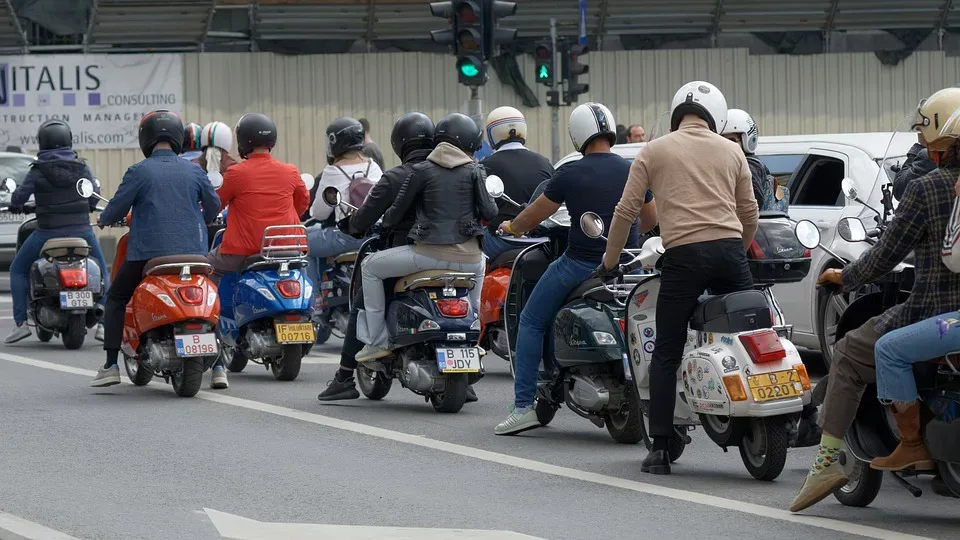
21 331
218 378
106 377
99 334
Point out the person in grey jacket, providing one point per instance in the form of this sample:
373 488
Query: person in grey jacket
917 164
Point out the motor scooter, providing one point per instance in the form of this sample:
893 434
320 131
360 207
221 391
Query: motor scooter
433 332
267 308
66 285
170 322
874 432
740 377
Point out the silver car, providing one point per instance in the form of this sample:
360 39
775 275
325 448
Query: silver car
15 166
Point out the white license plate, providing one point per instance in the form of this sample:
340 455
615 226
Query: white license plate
459 360
76 299
196 344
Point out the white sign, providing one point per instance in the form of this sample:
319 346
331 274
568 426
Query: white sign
102 97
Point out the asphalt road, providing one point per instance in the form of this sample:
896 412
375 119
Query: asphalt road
140 463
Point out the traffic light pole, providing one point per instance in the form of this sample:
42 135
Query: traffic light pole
554 111
475 108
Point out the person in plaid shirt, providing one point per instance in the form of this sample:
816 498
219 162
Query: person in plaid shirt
918 226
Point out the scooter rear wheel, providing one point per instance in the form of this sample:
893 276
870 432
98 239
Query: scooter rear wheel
289 364
75 332
763 448
864 484
454 393
187 381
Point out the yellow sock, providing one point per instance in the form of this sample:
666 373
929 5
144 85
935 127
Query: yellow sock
827 454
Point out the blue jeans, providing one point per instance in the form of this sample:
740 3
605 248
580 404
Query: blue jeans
898 350
562 276
29 252
327 242
494 245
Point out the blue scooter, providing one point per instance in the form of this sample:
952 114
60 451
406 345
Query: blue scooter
266 309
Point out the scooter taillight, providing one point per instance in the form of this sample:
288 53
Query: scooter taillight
73 278
289 288
763 346
623 326
453 307
190 295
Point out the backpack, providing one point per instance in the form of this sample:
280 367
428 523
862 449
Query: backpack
775 196
360 185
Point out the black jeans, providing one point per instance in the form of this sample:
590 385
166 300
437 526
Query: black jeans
120 293
719 266
352 345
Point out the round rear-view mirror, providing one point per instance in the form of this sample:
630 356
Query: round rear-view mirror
495 186
308 180
9 185
849 188
851 229
808 234
591 225
85 188
331 196
216 179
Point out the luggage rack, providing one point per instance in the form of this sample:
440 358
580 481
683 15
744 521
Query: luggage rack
277 243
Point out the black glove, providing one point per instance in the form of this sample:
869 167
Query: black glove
605 273
344 225
16 209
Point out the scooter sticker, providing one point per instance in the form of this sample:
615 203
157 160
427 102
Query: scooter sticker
726 340
640 297
636 357
648 332
700 373
729 364
649 346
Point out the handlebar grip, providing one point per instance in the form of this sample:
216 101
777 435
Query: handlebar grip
873 233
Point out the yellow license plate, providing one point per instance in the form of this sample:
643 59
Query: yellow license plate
295 333
776 385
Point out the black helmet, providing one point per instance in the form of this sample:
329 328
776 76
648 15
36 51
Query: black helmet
191 137
160 126
412 131
54 134
343 135
255 130
459 130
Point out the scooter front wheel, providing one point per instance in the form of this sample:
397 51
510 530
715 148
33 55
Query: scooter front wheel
373 384
139 375
235 360
44 335
763 447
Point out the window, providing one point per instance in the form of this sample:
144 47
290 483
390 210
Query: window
782 166
817 182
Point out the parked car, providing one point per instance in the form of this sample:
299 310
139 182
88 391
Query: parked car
812 167
12 165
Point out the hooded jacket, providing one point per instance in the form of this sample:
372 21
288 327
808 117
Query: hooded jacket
450 198
383 194
917 164
52 181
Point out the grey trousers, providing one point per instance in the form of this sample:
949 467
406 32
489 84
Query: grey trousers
854 367
398 262
224 264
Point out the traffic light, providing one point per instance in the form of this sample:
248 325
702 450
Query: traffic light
543 61
493 35
465 35
572 69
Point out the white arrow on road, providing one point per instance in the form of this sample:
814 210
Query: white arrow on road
241 528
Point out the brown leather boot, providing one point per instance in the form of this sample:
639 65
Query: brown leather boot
911 452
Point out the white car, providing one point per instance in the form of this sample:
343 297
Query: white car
16 166
813 166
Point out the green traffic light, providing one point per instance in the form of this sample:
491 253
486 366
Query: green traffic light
469 69
543 73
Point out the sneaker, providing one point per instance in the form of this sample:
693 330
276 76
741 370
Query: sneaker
218 378
98 335
338 390
106 377
520 420
471 394
21 331
369 353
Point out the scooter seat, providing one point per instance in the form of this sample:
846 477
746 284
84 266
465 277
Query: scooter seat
294 259
61 247
730 313
172 265
505 259
348 257
600 295
422 279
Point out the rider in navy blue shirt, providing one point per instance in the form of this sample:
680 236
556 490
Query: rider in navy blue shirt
593 184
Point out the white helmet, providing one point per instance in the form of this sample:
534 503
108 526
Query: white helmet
506 124
741 123
589 121
218 135
702 99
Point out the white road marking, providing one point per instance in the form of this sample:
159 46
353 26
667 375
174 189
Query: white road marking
6 300
15 528
325 360
522 463
241 528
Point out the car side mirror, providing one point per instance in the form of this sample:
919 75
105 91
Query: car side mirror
308 180
849 189
591 225
851 229
85 188
808 234
331 196
494 186
216 179
8 186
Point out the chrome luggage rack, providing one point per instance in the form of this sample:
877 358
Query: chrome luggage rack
284 242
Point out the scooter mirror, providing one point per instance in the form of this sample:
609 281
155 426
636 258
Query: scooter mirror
495 186
9 186
808 234
591 225
85 188
331 196
216 179
849 188
308 180
851 229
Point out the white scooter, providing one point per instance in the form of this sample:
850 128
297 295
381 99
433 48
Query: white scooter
740 377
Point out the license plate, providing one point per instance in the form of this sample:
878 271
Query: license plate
196 344
773 386
76 299
459 360
295 333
